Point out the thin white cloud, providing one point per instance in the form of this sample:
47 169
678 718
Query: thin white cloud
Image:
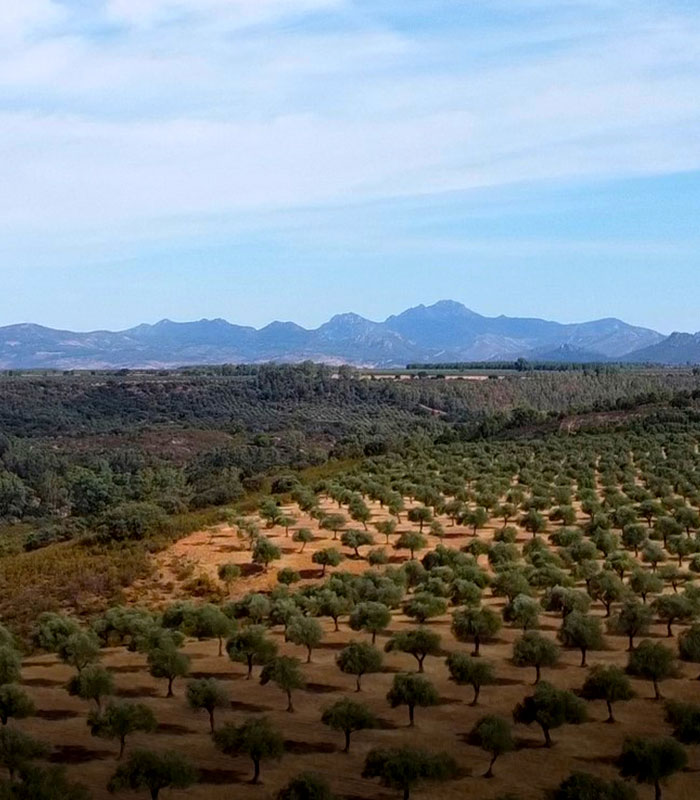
18 18
185 110
239 13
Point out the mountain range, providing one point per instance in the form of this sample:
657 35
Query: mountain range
444 332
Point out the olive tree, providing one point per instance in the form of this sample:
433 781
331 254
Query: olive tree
689 644
169 663
307 632
533 649
348 716
286 673
359 658
371 617
404 768
119 719
207 694
355 540
424 605
306 786
303 535
15 703
251 646
652 761
10 665
582 632
632 620
154 772
672 608
330 557
475 625
580 785
93 683
468 671
654 662
265 552
208 622
18 749
411 690
685 719
550 708
419 643
79 649
421 515
608 683
493 734
412 541
256 738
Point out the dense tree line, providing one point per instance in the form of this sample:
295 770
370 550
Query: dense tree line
73 452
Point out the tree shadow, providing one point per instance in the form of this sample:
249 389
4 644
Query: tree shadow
309 574
251 708
528 744
322 688
247 570
76 754
220 777
331 646
42 682
220 676
509 682
450 701
138 691
56 714
173 729
308 748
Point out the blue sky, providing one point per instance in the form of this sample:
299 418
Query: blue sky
261 159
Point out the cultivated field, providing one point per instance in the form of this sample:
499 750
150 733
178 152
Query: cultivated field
526 772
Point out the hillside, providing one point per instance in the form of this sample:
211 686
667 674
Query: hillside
678 348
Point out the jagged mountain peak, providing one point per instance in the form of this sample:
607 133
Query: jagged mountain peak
678 348
440 309
348 318
444 331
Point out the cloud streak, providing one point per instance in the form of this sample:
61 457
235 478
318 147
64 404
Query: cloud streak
160 109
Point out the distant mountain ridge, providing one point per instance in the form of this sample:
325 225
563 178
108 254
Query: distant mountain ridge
678 349
443 332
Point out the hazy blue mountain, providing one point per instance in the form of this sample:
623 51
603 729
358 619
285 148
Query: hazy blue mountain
463 333
678 348
445 331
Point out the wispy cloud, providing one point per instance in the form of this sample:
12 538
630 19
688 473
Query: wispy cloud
237 13
157 109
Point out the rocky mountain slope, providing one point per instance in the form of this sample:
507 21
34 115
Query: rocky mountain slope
445 331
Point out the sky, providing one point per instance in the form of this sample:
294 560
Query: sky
292 159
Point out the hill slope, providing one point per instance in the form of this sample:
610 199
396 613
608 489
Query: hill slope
678 348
